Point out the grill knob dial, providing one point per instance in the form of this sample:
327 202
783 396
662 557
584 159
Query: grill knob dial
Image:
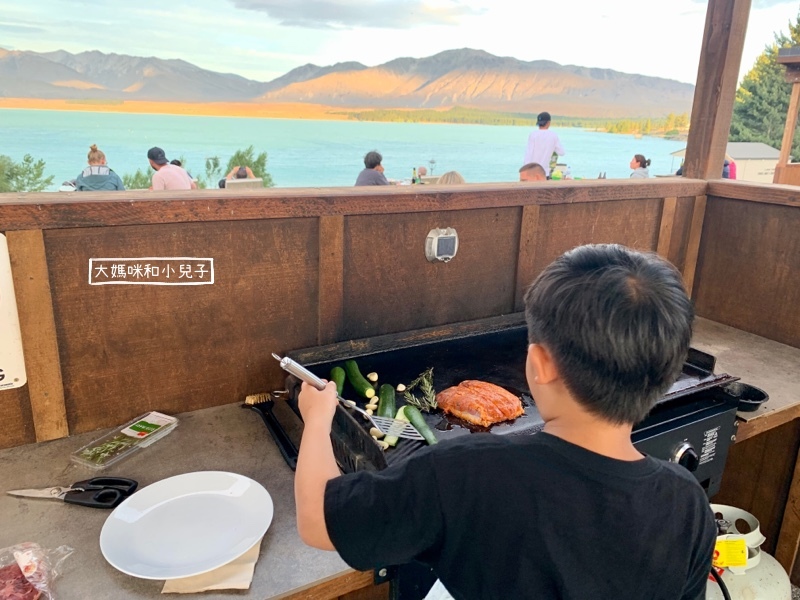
686 456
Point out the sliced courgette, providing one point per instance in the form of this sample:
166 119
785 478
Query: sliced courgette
357 380
400 416
418 421
386 402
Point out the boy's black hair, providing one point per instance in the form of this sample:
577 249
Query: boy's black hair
618 324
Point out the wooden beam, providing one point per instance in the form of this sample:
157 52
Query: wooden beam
63 211
693 245
789 129
335 587
717 77
331 279
38 327
529 226
767 193
789 536
667 224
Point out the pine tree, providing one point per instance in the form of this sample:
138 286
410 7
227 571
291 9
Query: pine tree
762 100
25 176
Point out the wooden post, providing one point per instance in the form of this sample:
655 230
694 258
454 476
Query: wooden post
791 125
667 223
790 59
529 227
782 173
38 327
789 537
712 109
693 245
331 279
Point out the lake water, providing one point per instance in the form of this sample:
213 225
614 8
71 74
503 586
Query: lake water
311 153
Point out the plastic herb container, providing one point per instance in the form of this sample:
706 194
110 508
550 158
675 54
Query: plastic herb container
124 441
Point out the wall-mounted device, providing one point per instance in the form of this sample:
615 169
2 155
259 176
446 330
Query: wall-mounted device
441 245
12 362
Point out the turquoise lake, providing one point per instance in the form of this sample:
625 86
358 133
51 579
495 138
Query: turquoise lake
312 153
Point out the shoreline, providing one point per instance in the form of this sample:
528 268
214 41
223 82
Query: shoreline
280 110
249 110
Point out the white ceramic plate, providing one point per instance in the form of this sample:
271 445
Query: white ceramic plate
186 525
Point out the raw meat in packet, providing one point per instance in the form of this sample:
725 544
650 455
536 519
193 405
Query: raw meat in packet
27 571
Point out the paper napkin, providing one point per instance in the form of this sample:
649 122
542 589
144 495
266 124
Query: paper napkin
236 575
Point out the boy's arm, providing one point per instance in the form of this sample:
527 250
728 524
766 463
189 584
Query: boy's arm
559 148
316 464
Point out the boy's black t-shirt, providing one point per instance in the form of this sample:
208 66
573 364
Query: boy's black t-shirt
529 517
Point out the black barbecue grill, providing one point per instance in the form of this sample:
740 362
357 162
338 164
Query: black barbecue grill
695 414
692 424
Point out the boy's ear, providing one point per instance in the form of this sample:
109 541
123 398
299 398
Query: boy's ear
542 363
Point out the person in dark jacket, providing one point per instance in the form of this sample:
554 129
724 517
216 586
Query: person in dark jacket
98 176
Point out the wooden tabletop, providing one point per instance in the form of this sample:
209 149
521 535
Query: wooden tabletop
769 365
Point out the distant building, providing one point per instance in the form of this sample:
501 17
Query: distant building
755 161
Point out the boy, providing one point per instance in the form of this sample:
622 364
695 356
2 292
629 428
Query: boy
574 512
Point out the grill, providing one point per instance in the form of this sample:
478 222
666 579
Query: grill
692 424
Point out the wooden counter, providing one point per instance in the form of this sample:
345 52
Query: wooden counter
762 473
234 439
769 365
225 438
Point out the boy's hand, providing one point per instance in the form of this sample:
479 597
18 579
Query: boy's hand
318 407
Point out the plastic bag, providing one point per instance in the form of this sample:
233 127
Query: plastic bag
27 571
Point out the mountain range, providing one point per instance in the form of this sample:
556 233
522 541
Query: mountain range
465 77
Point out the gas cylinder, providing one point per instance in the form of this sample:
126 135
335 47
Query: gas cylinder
766 581
762 577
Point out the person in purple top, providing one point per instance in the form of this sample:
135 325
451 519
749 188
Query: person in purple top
373 170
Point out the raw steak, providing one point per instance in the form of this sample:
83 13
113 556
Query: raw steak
480 403
14 586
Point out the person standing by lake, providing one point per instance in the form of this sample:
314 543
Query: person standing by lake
639 165
372 174
168 176
542 142
98 176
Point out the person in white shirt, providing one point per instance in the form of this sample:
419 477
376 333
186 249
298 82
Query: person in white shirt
542 143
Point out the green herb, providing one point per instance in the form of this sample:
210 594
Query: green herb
427 400
116 445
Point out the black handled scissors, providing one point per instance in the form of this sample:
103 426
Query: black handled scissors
97 492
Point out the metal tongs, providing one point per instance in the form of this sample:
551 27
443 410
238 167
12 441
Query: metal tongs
390 427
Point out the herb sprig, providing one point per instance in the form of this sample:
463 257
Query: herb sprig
116 445
427 400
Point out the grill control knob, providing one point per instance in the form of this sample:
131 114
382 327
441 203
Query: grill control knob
686 456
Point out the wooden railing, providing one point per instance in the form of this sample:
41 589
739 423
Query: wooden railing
294 268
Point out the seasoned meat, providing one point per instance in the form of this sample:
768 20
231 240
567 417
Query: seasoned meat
480 403
14 586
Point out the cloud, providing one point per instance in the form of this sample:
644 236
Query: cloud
341 14
17 28
770 3
758 3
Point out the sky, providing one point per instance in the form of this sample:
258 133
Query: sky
263 39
